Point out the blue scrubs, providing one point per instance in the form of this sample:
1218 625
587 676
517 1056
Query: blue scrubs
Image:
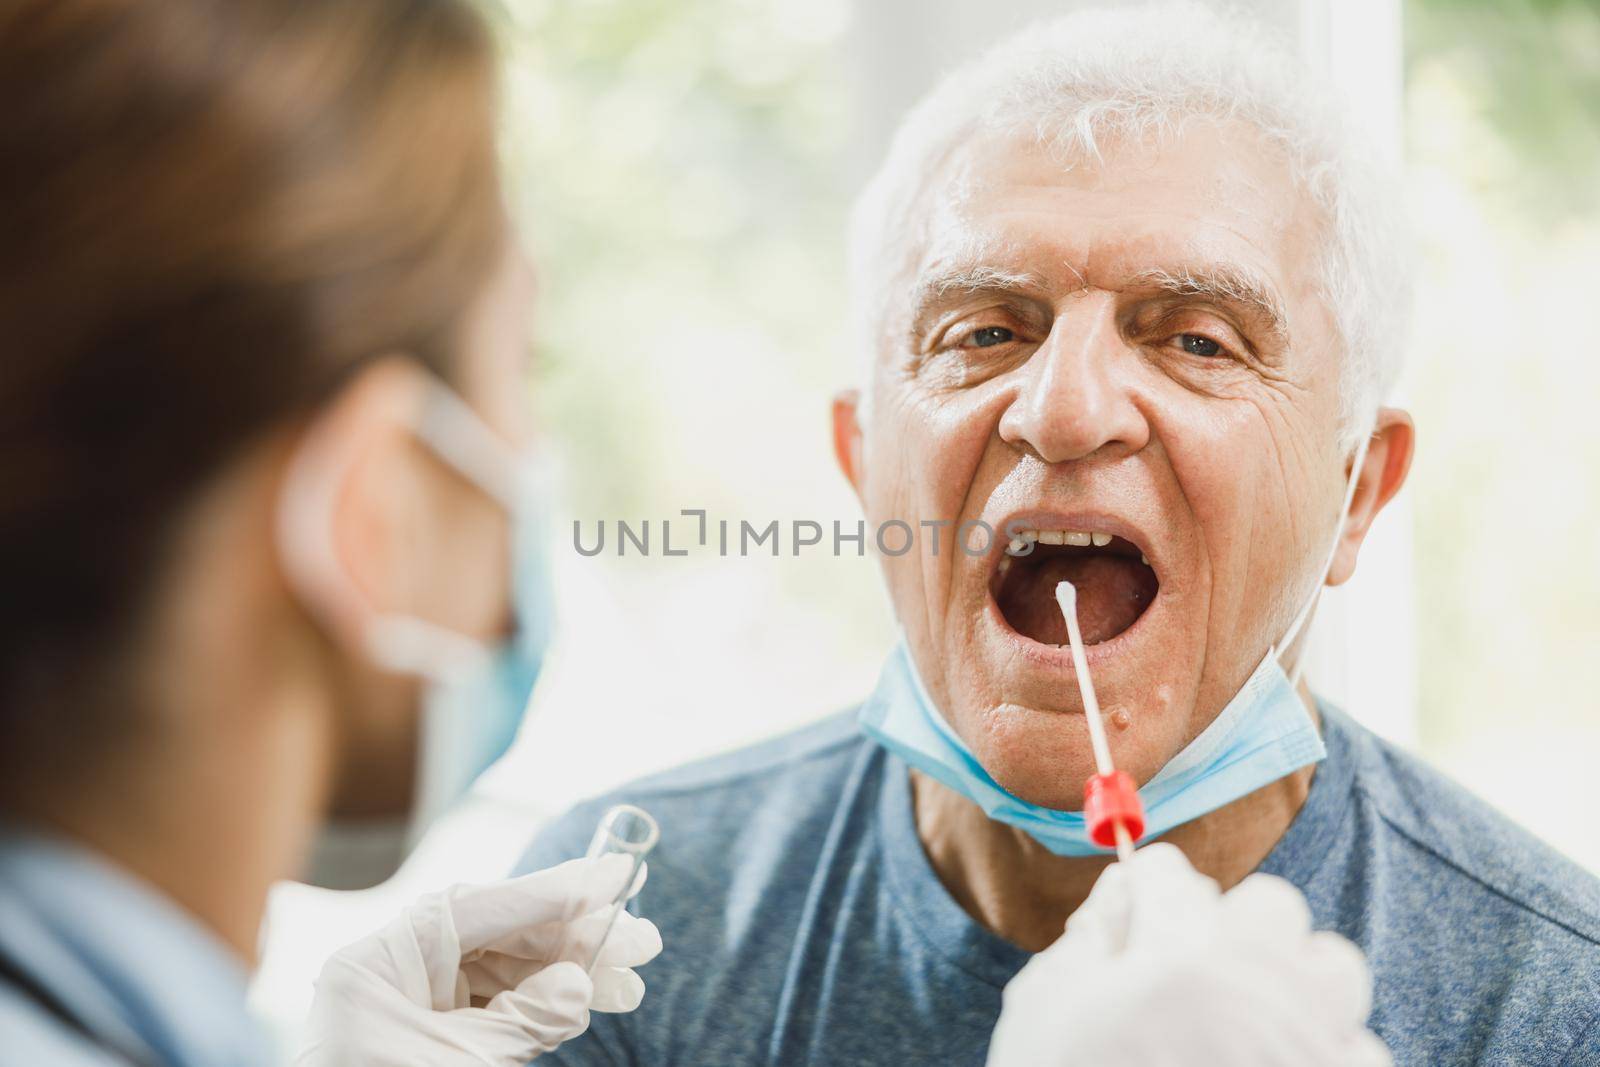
97 968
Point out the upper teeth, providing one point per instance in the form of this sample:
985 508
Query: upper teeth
1023 541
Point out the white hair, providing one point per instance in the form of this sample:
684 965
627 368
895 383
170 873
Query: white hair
1070 82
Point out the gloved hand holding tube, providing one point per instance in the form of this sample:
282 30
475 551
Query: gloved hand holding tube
1159 967
406 995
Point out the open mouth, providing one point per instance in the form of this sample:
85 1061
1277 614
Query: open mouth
1115 584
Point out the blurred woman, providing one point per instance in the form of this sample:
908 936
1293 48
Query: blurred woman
269 547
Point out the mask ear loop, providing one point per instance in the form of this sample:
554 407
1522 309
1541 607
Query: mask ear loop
459 437
461 440
1333 550
404 644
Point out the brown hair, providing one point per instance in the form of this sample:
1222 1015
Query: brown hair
211 213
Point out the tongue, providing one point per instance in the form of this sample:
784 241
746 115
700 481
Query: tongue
1113 592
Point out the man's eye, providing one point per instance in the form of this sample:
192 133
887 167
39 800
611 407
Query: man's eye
989 336
1196 345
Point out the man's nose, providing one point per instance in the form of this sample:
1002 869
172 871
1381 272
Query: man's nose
1075 397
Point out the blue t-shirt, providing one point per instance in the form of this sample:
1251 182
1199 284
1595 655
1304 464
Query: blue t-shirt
803 923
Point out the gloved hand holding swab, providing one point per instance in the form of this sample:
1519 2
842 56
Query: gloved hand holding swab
1111 804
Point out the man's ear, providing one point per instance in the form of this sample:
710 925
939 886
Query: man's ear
847 435
342 509
1382 474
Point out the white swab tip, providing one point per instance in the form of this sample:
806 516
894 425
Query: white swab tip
1067 596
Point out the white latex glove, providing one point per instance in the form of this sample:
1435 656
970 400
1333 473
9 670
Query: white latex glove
1159 968
403 996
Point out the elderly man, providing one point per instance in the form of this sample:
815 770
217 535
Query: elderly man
1131 302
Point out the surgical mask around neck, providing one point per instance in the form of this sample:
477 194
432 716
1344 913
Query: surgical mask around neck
476 694
1261 735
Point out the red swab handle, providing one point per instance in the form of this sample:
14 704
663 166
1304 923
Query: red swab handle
1109 799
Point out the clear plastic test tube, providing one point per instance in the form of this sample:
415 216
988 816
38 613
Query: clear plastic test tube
629 831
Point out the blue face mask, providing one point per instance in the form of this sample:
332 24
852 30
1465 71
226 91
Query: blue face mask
1263 734
477 694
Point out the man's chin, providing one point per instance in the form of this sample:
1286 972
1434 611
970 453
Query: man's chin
1043 756
1040 756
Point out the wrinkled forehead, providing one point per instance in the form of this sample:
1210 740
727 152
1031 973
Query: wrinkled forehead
1214 196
